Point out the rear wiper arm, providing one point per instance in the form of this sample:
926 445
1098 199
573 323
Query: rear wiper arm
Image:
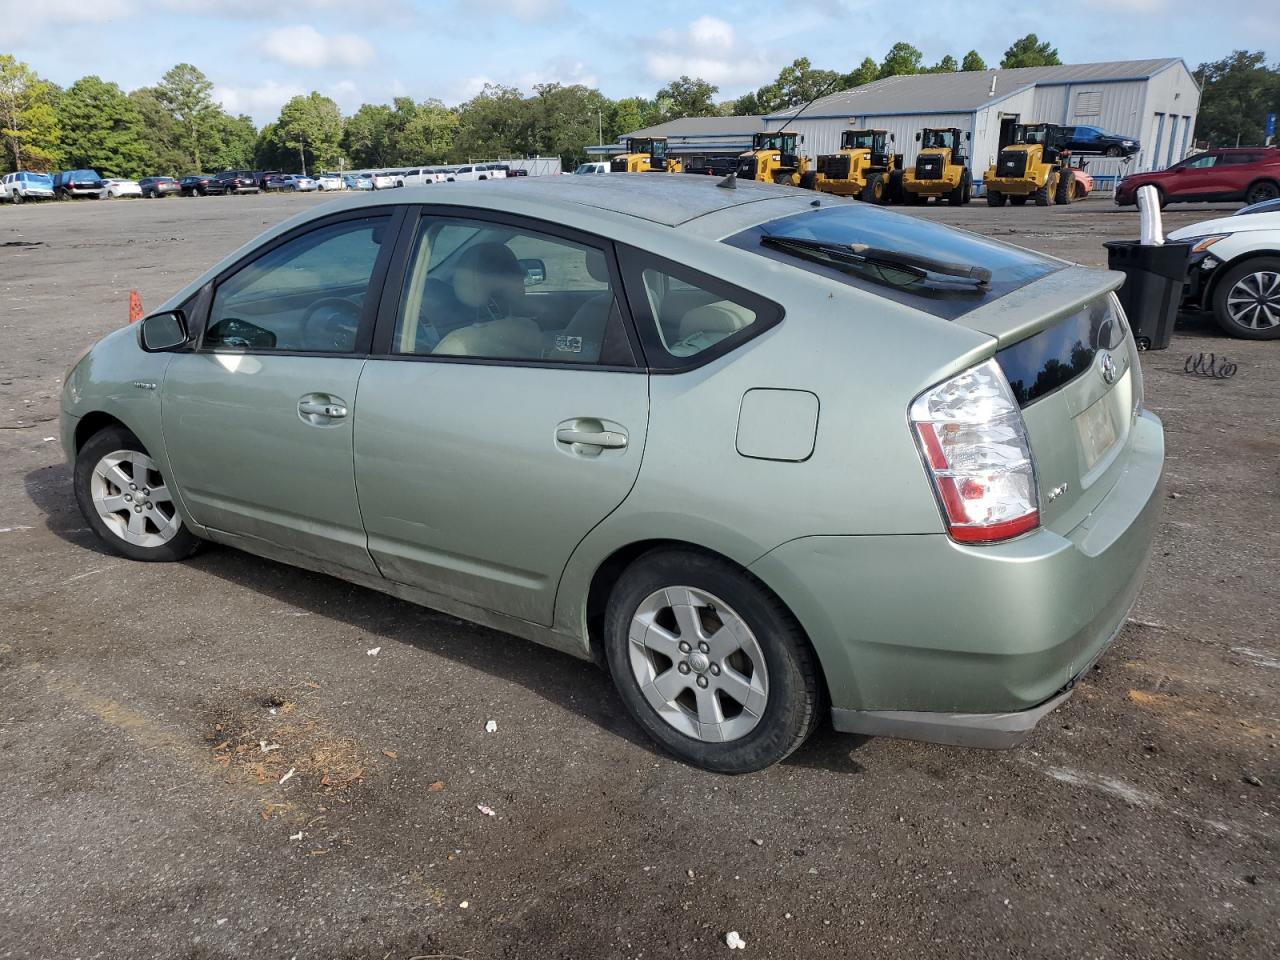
863 253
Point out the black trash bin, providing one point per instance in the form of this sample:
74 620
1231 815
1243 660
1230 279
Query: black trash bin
1152 291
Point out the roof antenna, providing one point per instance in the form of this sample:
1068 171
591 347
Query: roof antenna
992 91
730 182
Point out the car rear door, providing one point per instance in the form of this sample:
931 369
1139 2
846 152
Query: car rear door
489 444
258 420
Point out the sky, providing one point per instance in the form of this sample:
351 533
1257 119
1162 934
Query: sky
260 53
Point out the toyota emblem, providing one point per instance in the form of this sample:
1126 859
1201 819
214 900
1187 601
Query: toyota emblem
1107 364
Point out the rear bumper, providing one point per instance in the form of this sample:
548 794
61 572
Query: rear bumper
922 637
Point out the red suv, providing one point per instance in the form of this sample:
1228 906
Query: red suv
1251 174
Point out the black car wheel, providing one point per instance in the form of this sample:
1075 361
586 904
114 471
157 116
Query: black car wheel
1246 301
1114 152
709 662
1262 190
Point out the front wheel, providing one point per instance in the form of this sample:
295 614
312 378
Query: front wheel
1246 301
995 198
709 662
16 198
126 500
1114 152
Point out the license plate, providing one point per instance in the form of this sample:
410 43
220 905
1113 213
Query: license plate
1097 430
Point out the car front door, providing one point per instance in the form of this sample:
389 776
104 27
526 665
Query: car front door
1192 178
496 432
258 420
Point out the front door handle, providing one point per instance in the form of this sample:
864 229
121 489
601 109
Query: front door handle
606 439
321 408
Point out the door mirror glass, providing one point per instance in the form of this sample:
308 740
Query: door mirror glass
968 135
535 272
917 136
163 331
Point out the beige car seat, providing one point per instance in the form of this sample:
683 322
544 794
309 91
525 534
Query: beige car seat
489 281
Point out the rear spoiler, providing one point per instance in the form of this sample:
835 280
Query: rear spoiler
1040 304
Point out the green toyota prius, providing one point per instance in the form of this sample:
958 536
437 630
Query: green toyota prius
764 457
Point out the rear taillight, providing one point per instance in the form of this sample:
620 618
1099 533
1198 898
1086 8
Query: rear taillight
974 445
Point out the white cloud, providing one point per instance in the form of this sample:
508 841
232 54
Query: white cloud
22 19
305 46
530 10
562 70
711 49
262 101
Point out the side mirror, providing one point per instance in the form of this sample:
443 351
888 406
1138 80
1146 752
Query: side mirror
917 136
162 332
892 139
535 272
968 135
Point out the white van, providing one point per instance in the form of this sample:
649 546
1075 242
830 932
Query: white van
591 169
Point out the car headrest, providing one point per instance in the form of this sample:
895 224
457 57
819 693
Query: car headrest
722 317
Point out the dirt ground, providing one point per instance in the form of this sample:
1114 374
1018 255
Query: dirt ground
150 716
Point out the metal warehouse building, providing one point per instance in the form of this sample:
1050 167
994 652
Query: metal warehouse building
710 136
1152 101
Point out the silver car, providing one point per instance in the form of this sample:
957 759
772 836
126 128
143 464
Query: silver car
766 457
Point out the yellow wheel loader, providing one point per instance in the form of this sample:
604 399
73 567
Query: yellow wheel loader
1029 168
774 158
645 155
864 168
939 169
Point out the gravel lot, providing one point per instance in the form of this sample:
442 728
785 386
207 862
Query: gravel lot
139 816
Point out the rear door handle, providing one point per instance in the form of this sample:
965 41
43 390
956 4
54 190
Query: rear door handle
605 439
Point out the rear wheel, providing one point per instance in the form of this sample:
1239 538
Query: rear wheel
128 503
1246 301
1066 189
995 198
1044 195
960 195
1114 152
1262 190
16 197
808 181
709 662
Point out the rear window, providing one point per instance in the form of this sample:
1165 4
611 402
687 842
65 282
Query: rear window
864 224
1054 357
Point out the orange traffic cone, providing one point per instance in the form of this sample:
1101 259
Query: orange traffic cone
135 306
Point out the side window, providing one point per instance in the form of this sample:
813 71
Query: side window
307 294
1239 159
686 317
489 291
1201 163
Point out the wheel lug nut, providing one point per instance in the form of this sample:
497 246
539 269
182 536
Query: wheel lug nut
128 498
150 507
683 668
715 669
684 647
137 509
133 486
702 681
146 492
704 648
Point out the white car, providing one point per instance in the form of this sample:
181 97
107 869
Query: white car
115 189
329 181
1234 270
384 181
593 168
418 177
24 185
474 171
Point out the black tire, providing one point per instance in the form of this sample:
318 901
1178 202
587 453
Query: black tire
1223 288
1044 195
1262 190
913 199
106 441
794 694
876 190
995 198
1114 152
16 197
808 181
895 194
960 195
1065 191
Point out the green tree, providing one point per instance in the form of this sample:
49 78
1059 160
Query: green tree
311 127
495 121
1030 52
565 120
902 58
429 135
747 105
627 116
866 72
1238 93
160 134
946 65
367 138
102 129
29 125
972 61
796 86
187 94
688 97
232 140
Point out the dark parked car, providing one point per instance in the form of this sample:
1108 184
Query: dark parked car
154 187
78 183
712 166
1251 174
233 181
1095 140
262 176
195 185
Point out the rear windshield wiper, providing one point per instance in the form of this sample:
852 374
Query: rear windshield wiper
858 254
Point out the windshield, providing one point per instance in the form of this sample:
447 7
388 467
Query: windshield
863 140
41 178
847 224
939 138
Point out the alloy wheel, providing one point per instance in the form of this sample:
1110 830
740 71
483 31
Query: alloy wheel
1254 301
698 664
133 500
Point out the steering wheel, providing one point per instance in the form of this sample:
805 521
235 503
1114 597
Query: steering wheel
330 325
